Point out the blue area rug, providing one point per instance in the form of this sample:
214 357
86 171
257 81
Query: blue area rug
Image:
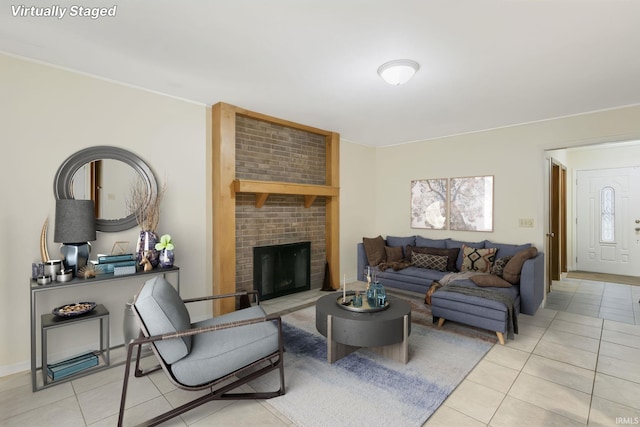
365 389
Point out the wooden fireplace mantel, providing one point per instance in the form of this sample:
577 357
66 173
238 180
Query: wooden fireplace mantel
262 190
225 186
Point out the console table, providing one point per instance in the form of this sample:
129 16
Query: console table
100 279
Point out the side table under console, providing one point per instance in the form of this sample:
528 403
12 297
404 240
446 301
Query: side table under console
50 321
100 313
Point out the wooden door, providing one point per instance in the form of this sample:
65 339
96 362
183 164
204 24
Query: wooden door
557 235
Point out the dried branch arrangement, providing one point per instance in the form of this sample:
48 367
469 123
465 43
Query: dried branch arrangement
145 208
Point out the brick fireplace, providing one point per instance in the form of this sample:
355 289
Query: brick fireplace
271 152
273 182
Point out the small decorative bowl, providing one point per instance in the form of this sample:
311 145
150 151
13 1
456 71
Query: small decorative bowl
64 276
43 280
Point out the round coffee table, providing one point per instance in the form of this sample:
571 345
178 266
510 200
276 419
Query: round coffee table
385 332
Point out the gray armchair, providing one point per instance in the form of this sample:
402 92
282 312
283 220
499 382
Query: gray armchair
219 354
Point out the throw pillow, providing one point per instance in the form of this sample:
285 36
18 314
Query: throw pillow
513 268
374 249
451 254
394 253
490 280
458 244
432 262
477 259
499 264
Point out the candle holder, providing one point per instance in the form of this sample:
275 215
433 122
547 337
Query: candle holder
356 301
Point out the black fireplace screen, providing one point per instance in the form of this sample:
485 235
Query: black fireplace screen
281 269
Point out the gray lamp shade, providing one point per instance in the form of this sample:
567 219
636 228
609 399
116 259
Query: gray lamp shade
75 221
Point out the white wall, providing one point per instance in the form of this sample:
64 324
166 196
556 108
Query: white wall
357 202
47 114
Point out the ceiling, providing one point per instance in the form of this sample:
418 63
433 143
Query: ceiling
484 63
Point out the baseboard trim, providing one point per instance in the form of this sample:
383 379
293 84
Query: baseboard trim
603 277
6 370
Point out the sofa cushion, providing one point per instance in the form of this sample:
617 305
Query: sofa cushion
506 249
477 259
458 244
394 253
432 262
374 248
499 264
424 242
451 254
514 267
401 241
490 280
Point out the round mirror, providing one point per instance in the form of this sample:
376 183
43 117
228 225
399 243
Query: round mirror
105 175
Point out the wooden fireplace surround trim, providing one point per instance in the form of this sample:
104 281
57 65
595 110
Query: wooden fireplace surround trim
225 186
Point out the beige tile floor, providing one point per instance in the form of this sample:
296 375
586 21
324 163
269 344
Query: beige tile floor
563 369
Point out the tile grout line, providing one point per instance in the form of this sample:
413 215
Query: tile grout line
595 372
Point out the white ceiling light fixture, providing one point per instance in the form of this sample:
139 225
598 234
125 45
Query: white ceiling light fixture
399 71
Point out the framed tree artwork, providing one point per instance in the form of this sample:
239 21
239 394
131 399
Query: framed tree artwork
429 203
471 203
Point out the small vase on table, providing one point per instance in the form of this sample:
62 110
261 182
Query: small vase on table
165 246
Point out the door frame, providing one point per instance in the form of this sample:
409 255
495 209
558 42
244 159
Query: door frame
557 222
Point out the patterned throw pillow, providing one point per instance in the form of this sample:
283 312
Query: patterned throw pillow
475 259
432 262
451 254
498 265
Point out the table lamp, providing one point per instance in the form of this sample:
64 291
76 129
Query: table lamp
75 228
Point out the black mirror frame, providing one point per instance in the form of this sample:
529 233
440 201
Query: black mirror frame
62 183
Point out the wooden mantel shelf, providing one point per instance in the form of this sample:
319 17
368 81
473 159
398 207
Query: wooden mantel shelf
262 189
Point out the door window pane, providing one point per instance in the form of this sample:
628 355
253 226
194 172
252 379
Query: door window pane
607 215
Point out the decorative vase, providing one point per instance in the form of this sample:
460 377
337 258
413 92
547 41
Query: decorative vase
376 295
146 247
166 258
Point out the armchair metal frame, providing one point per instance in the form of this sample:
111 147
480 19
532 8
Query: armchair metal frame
264 365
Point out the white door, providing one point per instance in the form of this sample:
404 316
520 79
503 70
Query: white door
608 221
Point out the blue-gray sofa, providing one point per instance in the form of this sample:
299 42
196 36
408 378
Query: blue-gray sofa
527 294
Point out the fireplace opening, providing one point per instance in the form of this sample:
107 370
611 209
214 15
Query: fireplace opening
281 269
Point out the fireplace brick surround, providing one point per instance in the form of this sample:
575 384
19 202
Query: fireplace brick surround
284 180
271 152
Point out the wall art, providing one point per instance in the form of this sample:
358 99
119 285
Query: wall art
429 203
471 203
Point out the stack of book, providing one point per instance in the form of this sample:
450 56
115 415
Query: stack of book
59 370
117 264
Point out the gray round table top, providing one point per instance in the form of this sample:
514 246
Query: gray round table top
373 329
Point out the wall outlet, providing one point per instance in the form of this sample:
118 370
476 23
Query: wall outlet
525 222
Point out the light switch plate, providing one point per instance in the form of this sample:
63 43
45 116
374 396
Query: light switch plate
525 222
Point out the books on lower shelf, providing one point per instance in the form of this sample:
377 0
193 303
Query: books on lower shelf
56 371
